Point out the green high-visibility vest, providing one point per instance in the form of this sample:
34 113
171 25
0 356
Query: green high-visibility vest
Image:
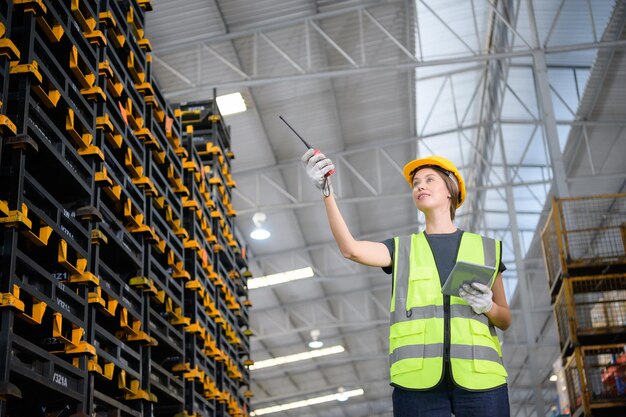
416 337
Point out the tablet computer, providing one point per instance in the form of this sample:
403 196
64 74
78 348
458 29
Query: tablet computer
467 272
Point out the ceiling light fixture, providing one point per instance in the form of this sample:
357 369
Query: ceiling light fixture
297 357
553 378
231 104
341 394
315 343
305 403
280 278
259 233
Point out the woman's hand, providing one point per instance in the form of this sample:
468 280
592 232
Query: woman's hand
478 296
317 166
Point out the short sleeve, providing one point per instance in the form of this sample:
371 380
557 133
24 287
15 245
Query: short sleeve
391 246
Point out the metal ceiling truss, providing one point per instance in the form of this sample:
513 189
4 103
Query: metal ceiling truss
307 68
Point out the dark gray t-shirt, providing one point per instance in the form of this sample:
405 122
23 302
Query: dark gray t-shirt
445 247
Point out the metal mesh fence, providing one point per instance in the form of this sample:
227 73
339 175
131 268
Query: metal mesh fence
600 304
550 244
584 232
603 373
574 387
562 317
593 229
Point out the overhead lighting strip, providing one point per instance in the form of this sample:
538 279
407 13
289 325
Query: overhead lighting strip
280 278
297 357
311 401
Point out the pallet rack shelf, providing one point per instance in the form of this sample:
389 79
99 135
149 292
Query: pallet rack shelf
121 291
584 245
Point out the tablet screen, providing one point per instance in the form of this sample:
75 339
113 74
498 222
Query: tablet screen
467 272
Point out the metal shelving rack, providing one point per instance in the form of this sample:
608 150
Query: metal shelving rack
216 256
584 243
123 287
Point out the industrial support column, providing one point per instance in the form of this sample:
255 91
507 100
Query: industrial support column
544 100
522 285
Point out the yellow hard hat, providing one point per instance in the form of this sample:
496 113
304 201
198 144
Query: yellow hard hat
436 162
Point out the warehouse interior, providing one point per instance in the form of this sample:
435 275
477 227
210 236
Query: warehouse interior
515 92
526 97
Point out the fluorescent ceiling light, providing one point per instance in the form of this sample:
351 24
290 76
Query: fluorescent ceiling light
305 403
316 344
297 357
260 234
231 104
341 395
280 278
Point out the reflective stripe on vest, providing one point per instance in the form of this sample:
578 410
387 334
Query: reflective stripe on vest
416 337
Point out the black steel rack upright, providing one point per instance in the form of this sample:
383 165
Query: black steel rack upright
122 287
209 216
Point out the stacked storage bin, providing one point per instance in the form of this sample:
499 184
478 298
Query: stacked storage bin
584 244
107 306
8 53
46 208
216 257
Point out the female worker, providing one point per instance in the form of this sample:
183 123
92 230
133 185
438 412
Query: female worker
444 353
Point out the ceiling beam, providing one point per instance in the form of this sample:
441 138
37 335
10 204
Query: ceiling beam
387 68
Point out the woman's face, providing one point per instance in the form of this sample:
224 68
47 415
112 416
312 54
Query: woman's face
430 190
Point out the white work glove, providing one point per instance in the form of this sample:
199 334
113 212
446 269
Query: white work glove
317 166
478 296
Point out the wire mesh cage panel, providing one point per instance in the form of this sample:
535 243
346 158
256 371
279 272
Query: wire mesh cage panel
551 245
583 235
592 311
596 380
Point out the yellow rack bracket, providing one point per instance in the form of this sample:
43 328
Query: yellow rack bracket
116 35
93 93
70 339
114 192
113 85
129 388
81 349
85 80
8 49
80 12
35 7
92 151
6 125
12 300
82 140
136 73
159 156
134 24
84 278
15 218
102 177
40 238
76 269
54 32
134 168
145 5
95 297
96 37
